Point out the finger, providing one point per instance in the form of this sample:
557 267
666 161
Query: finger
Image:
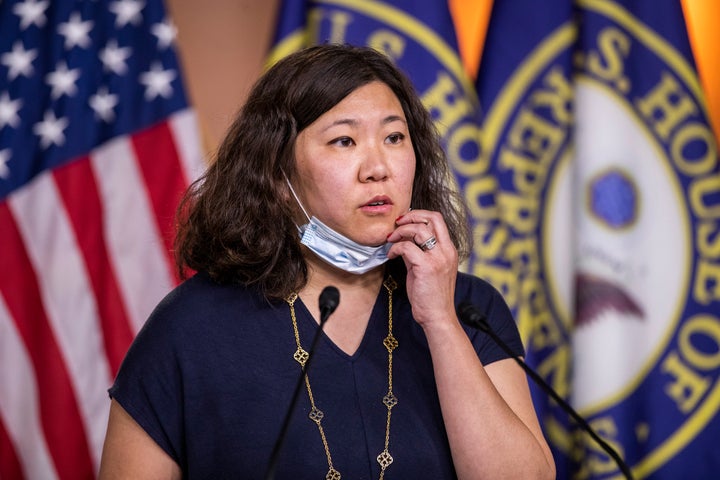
433 220
417 233
415 216
428 244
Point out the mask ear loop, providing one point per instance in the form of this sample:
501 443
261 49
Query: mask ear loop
292 190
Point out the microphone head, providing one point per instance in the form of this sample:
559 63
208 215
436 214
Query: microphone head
471 316
329 300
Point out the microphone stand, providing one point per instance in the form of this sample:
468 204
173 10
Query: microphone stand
472 316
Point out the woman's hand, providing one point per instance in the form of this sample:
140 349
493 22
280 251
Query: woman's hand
431 265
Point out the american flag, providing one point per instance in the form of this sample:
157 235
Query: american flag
97 143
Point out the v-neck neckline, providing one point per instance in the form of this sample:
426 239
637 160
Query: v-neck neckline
376 315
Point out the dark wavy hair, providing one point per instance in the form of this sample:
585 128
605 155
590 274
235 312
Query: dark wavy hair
236 222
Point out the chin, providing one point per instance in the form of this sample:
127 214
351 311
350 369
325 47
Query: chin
378 239
372 233
372 241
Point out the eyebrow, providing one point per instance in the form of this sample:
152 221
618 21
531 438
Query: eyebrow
352 122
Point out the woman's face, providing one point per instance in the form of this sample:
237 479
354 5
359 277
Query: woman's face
356 165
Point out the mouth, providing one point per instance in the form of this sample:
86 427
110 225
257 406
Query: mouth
378 205
378 202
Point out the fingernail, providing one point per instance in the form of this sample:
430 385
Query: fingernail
398 219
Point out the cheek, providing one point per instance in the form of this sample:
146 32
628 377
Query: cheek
329 179
405 180
323 187
408 172
408 179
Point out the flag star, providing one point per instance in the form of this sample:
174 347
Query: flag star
157 81
19 61
8 111
31 12
50 130
4 159
76 32
113 57
127 11
103 103
165 33
63 81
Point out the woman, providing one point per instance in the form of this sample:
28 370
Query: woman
332 174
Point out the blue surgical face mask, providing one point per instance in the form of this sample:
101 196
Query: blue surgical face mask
340 251
336 249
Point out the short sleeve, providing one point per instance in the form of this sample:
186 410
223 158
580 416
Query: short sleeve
149 382
499 317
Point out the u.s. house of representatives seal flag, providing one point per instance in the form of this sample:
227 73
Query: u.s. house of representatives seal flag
597 201
97 143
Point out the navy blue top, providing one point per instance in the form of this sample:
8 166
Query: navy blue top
211 374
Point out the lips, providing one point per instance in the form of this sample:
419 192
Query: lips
378 201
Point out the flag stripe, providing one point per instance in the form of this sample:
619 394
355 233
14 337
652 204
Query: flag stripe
184 129
59 413
9 462
68 299
131 230
20 409
77 186
164 180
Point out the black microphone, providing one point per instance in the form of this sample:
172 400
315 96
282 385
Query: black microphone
472 316
328 302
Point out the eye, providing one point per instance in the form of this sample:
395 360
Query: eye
342 142
395 138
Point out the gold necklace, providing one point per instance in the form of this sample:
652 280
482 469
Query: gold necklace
389 400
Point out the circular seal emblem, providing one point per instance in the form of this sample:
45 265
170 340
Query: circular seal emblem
602 233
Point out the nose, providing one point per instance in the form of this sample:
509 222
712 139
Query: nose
374 166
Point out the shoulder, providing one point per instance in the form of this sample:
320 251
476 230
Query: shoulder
202 290
470 288
497 314
200 307
200 295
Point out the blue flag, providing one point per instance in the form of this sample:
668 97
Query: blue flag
596 202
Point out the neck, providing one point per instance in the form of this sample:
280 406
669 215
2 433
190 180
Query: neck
357 297
321 274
